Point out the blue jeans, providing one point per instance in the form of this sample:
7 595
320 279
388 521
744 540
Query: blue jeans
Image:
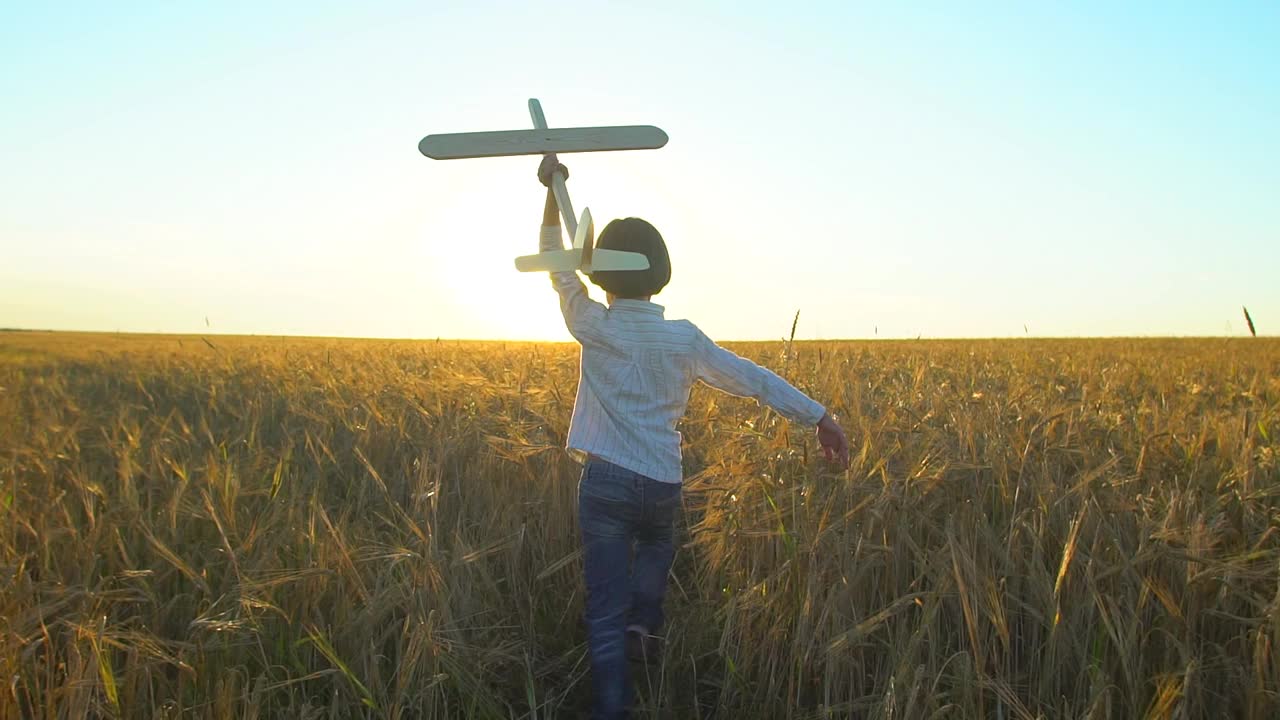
618 508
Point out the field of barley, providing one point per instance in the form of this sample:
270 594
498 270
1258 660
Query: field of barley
307 528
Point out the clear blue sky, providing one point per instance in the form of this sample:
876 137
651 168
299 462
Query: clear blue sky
940 170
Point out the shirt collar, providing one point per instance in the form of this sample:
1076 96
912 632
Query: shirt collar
640 306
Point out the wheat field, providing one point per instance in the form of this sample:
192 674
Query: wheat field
308 528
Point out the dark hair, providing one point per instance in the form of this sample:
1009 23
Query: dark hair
634 235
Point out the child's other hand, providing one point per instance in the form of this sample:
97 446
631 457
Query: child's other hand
834 444
550 164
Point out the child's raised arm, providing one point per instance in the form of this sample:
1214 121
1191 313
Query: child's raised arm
582 315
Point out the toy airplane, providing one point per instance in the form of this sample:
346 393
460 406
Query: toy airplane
543 140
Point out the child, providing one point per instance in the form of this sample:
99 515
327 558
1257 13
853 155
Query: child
636 372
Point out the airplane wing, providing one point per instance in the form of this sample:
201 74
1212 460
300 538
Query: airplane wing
553 261
453 146
565 260
602 259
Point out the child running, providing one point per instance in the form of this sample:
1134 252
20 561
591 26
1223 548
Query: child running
636 372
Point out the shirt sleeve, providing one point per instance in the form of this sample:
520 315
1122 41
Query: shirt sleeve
736 375
583 316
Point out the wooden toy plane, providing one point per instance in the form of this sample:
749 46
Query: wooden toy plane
544 140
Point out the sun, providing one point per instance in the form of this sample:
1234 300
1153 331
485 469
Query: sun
487 213
478 293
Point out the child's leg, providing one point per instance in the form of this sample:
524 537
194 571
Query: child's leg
655 549
608 508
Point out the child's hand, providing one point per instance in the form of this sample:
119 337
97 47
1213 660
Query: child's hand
832 439
550 164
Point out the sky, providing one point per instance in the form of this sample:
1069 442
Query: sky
935 170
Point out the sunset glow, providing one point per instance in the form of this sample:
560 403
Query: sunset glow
888 173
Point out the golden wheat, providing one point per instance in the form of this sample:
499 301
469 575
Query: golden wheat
262 527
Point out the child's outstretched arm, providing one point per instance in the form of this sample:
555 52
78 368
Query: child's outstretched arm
582 315
736 375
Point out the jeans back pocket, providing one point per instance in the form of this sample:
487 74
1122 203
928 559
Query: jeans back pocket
605 481
608 502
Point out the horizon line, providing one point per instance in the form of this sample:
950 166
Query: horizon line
441 338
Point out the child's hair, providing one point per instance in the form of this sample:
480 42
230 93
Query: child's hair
634 235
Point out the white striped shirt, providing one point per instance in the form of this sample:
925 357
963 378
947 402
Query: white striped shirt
636 372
